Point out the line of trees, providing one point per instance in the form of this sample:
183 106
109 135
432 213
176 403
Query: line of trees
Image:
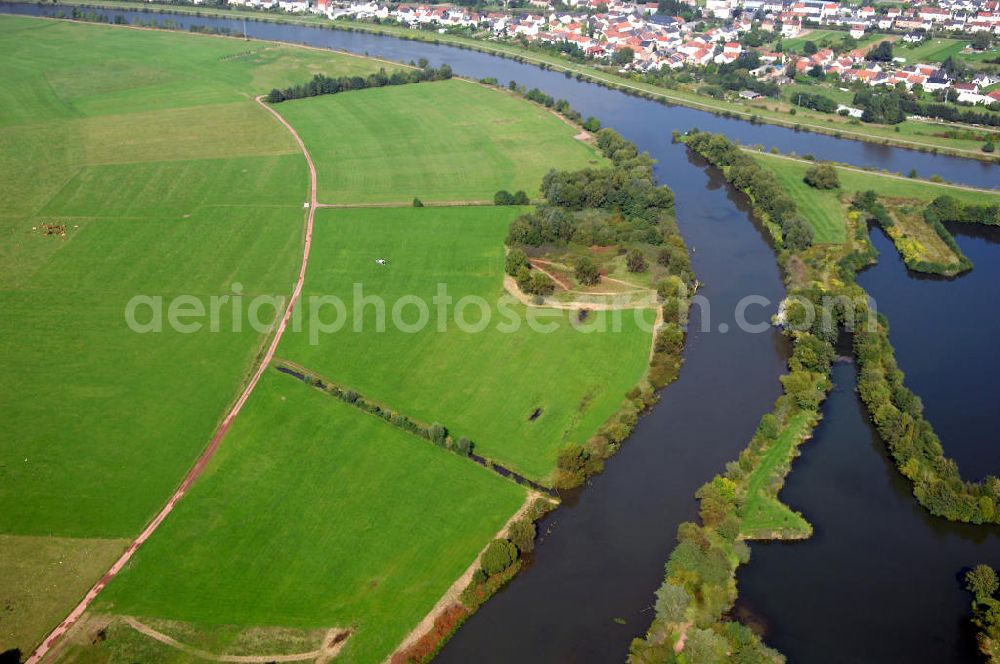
436 433
327 85
742 170
893 105
948 208
914 446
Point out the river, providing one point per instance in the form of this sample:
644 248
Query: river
589 588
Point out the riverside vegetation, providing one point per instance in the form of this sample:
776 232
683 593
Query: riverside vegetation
982 582
691 623
742 504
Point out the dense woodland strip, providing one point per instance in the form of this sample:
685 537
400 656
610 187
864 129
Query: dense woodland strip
327 85
775 207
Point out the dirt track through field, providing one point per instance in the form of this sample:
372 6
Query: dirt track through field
332 644
199 465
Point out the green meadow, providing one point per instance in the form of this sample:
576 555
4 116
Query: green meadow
484 385
822 38
145 156
442 141
931 50
763 512
136 163
824 210
317 515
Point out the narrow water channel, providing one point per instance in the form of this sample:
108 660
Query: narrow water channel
589 590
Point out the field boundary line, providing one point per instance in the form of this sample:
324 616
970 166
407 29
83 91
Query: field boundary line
322 383
199 466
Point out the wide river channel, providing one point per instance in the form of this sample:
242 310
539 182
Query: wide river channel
880 579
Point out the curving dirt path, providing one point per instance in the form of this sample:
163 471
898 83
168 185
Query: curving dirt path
53 637
333 642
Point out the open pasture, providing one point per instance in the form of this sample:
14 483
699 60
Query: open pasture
316 515
485 385
442 141
132 162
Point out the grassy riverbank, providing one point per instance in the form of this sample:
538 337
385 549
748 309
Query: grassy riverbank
923 136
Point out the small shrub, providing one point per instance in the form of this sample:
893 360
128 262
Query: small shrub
822 176
437 433
635 261
586 271
417 202
515 260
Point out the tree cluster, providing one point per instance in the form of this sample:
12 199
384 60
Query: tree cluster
816 102
504 197
620 205
822 176
982 582
326 85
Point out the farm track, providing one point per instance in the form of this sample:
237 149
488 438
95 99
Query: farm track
333 642
199 466
405 204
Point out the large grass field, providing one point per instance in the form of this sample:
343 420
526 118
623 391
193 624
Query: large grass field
157 174
448 140
931 50
831 37
148 150
317 515
484 385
